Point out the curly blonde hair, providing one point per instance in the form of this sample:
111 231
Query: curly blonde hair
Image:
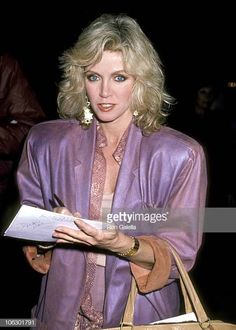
116 33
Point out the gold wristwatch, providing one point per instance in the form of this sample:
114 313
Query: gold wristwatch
133 250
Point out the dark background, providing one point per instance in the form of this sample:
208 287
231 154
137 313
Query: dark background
196 43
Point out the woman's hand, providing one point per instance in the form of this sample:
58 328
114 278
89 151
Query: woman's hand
39 262
112 240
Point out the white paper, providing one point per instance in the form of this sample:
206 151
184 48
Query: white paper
32 223
189 317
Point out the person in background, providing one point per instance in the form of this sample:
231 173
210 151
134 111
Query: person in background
19 111
111 151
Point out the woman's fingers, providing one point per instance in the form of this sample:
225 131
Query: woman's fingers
73 236
85 234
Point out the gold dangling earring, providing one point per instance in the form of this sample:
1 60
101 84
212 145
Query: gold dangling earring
88 115
135 113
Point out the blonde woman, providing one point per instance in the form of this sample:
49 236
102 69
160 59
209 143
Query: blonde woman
109 152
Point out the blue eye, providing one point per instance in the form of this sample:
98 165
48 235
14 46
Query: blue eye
92 77
120 78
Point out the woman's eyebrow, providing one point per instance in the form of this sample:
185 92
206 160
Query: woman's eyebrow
112 73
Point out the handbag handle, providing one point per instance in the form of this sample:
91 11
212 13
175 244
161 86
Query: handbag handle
191 299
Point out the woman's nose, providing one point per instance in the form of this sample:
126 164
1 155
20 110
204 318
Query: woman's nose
105 89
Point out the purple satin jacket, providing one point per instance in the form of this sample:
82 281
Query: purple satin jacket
165 169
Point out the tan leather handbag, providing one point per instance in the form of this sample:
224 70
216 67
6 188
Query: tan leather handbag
192 304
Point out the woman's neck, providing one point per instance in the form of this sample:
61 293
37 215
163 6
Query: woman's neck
114 131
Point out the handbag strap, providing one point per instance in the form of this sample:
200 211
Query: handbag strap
190 295
191 299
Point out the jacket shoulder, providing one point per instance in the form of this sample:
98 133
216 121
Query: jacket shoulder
170 138
53 131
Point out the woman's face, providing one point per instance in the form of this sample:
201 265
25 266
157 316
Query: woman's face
109 88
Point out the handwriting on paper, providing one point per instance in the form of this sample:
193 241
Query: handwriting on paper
35 224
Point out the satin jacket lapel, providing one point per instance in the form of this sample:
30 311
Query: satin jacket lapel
83 170
127 182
